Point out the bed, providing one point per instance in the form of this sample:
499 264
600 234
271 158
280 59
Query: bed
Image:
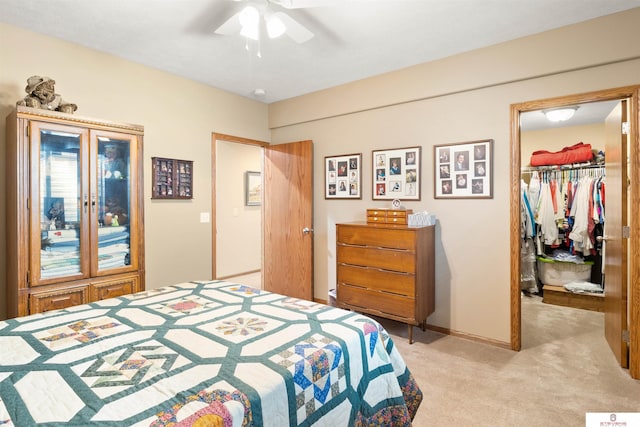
202 353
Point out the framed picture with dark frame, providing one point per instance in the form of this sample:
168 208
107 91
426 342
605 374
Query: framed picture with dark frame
463 170
343 176
171 179
396 174
252 188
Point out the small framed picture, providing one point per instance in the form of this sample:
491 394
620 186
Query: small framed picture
396 174
252 188
464 170
343 176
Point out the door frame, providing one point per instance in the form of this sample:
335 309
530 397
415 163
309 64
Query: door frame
233 139
633 302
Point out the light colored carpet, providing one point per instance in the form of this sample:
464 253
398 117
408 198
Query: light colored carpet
564 370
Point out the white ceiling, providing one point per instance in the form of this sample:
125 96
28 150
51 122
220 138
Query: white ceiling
353 39
587 113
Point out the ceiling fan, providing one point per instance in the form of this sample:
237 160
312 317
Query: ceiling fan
249 21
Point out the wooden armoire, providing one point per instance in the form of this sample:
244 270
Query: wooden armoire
74 200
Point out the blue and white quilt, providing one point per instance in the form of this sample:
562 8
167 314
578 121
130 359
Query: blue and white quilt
202 354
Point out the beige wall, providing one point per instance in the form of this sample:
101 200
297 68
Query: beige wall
178 116
239 227
555 139
463 98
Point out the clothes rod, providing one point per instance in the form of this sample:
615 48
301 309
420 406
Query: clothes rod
572 166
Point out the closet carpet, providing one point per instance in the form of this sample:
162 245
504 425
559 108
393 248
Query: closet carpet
564 370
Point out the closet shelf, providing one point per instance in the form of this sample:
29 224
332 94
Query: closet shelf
562 167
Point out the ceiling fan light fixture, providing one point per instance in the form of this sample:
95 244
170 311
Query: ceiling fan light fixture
250 20
275 26
560 114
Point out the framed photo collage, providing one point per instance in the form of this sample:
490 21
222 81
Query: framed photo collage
461 170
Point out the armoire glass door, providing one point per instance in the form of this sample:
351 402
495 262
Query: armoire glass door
113 201
58 200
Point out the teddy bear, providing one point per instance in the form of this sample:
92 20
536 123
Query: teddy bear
41 94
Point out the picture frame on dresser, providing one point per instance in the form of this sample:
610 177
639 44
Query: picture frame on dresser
463 170
396 174
343 176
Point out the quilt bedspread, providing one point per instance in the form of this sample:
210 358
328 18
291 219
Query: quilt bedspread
202 354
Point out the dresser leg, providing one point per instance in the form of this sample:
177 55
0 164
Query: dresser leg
410 333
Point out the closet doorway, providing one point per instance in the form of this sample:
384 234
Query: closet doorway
622 228
237 222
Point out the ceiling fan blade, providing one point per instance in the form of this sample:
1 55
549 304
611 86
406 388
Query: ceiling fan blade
295 30
230 26
300 4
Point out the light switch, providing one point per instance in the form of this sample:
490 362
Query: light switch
204 217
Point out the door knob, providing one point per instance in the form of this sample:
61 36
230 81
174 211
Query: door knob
307 230
602 238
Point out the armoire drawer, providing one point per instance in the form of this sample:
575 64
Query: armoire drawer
114 288
377 279
386 259
39 302
382 302
396 238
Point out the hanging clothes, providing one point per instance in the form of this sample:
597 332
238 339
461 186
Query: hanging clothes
568 209
528 279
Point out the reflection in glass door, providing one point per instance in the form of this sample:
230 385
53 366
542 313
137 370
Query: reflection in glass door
60 218
114 202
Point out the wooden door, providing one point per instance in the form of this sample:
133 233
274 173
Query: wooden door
615 246
288 219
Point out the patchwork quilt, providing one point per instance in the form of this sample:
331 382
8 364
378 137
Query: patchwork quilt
202 354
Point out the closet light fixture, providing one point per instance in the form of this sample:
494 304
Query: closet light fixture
560 114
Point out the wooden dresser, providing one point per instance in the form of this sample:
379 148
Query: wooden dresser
387 270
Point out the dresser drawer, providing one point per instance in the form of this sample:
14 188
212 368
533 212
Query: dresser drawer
399 238
376 218
376 279
374 301
388 216
400 220
386 259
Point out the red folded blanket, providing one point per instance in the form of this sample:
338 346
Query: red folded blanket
577 153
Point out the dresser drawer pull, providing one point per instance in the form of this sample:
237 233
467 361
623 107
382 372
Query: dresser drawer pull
351 245
381 248
404 273
386 248
361 267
